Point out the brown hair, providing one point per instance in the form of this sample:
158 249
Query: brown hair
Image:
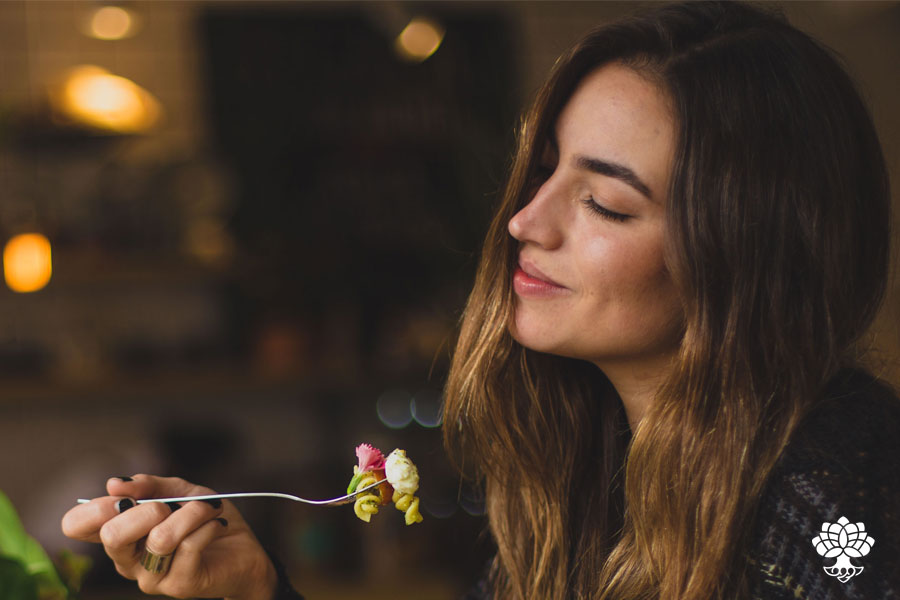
777 240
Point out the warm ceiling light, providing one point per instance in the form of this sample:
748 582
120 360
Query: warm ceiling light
95 97
111 23
419 39
26 262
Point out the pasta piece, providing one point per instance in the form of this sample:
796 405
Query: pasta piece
367 504
412 513
408 504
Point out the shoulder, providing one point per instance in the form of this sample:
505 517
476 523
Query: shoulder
857 411
842 461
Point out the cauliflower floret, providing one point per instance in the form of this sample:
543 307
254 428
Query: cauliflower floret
401 473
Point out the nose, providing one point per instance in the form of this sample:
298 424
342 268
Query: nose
539 221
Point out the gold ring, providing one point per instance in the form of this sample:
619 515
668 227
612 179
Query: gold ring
156 563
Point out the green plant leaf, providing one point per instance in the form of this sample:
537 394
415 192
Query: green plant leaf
15 582
17 545
12 534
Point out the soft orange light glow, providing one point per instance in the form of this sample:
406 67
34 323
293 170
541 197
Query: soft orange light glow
95 97
208 240
26 262
419 39
111 23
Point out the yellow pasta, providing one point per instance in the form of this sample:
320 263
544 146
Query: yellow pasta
408 504
366 504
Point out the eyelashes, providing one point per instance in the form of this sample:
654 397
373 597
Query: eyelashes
604 212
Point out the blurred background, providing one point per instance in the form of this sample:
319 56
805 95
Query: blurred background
237 238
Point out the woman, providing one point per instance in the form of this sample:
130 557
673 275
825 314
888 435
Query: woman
719 275
652 375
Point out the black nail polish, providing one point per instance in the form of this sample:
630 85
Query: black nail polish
214 502
124 478
173 505
224 522
124 504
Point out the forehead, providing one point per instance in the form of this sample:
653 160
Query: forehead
619 115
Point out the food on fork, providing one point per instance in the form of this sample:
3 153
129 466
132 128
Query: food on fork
403 476
400 481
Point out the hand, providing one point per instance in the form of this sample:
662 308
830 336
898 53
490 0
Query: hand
215 552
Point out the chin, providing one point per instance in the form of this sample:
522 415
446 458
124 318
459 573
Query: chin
516 333
536 342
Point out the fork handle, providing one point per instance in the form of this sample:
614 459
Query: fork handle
207 497
333 501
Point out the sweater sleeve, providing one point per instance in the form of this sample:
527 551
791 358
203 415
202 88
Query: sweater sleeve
841 462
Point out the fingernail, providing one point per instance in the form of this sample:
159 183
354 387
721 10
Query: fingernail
223 521
173 505
124 478
124 504
214 502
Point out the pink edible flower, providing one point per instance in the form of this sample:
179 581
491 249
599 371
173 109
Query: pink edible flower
370 458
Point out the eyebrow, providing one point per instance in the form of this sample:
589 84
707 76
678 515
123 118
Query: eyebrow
610 169
615 170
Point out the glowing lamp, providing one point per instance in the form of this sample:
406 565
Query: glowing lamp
95 97
419 40
26 262
110 23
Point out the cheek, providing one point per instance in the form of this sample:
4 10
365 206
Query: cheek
662 314
609 268
632 275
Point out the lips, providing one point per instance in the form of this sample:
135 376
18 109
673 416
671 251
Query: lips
534 273
529 281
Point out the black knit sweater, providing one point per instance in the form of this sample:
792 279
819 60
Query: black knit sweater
843 460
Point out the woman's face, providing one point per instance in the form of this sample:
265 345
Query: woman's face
591 281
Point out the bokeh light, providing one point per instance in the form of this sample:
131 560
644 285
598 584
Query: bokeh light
425 407
419 39
393 409
111 23
440 508
472 507
27 264
95 97
471 500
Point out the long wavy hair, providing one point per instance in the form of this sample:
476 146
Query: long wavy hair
777 239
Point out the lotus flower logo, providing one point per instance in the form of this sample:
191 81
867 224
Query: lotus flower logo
843 540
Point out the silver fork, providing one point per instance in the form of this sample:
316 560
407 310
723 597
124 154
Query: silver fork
346 499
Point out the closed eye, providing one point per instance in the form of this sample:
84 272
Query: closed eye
604 212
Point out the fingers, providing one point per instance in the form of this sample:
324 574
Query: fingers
120 534
155 521
173 531
188 561
84 521
149 486
186 574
